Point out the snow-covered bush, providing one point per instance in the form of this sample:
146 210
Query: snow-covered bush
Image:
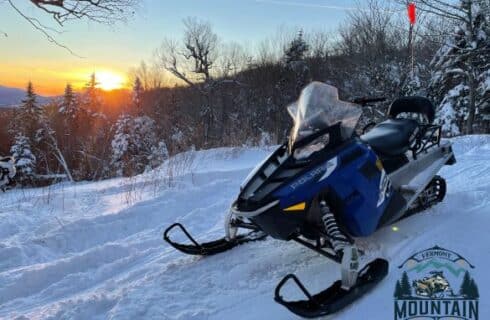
25 159
135 147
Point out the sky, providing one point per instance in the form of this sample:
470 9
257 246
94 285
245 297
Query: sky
26 55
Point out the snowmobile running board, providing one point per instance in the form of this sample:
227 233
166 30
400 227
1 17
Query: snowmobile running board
213 247
334 298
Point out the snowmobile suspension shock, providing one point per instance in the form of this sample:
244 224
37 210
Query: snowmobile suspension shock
338 239
343 246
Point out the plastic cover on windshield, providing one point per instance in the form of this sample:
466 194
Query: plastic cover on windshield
319 107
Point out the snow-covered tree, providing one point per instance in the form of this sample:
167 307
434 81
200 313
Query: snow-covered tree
25 159
415 83
69 106
28 115
120 144
90 97
460 77
135 146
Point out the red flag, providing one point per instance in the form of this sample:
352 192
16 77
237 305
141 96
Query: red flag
411 13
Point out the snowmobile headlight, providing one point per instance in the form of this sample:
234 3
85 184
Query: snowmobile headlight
297 207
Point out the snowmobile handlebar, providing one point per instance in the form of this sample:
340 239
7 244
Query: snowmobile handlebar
366 100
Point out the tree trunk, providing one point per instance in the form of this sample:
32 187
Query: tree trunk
472 106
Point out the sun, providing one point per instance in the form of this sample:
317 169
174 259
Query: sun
108 80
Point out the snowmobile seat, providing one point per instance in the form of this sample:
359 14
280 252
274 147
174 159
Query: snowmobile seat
413 104
392 137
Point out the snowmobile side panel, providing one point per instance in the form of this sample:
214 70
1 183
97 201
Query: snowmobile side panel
410 180
280 224
360 185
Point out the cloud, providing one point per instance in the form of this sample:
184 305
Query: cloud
315 5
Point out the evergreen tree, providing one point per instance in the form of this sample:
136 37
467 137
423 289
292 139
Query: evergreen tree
25 159
459 78
120 144
27 132
465 289
137 95
135 147
296 51
91 98
406 289
294 76
29 115
474 289
69 106
398 290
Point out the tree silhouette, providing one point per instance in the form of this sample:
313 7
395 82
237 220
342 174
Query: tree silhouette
30 114
398 290
474 294
406 289
465 289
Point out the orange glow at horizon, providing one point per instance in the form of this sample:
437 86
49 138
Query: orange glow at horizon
52 82
108 80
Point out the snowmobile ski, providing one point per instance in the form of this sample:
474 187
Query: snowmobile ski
334 298
213 247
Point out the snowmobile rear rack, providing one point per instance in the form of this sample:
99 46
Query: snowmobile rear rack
213 247
334 298
429 135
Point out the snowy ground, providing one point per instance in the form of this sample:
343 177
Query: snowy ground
94 250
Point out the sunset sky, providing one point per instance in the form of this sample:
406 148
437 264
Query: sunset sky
25 54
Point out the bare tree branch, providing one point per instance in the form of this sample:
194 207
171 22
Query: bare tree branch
40 28
100 11
103 11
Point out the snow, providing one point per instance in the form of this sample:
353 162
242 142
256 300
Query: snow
94 250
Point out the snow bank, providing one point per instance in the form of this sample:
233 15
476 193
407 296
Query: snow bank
94 250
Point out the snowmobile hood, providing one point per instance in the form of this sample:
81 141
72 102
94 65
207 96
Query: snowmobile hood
278 170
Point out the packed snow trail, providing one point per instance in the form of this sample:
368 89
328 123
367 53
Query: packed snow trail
94 250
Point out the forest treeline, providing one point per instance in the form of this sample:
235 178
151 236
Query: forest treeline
224 94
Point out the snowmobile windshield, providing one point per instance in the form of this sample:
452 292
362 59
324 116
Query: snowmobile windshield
318 108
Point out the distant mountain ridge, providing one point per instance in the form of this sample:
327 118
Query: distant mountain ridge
14 96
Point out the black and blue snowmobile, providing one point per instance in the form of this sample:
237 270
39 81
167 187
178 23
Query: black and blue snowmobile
326 186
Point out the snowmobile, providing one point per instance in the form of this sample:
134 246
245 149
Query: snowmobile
7 171
433 287
327 186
